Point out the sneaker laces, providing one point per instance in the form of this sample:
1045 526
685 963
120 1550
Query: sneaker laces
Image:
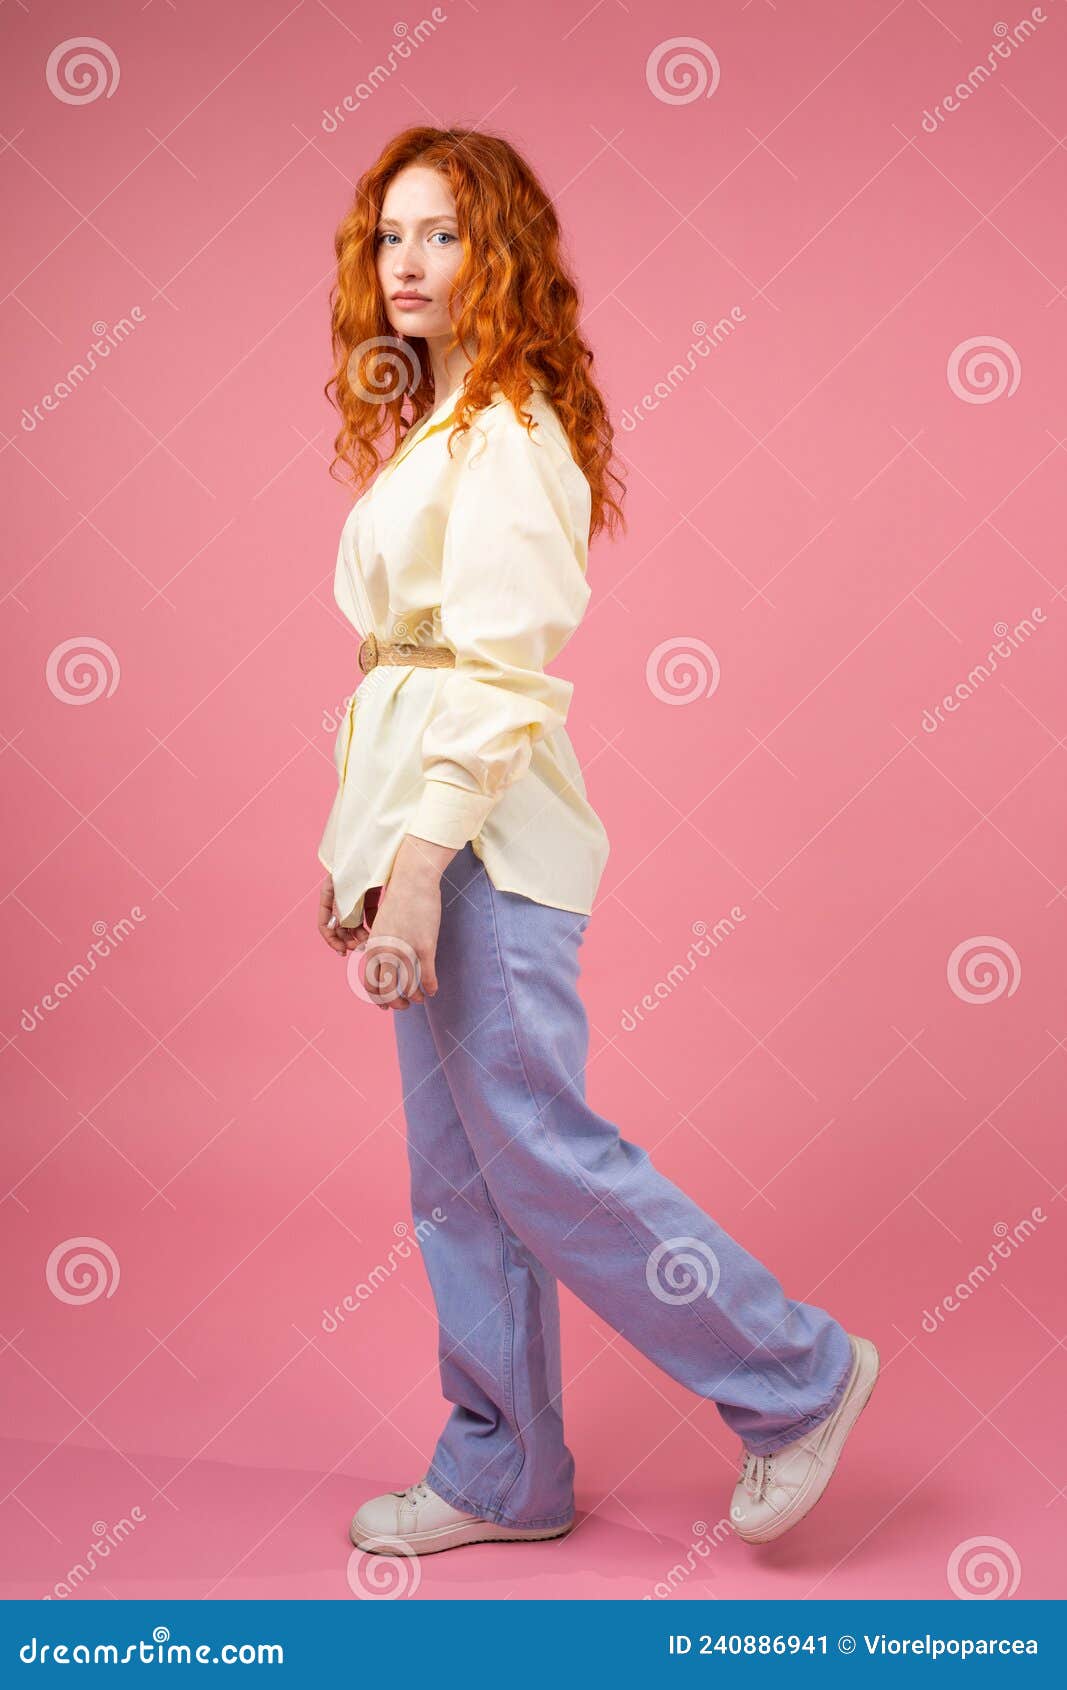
756 1474
416 1493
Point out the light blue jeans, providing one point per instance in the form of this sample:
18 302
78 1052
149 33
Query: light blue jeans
517 1183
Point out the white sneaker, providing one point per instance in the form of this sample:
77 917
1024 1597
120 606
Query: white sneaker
417 1521
774 1491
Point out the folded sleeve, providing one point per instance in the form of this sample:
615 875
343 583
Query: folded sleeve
513 591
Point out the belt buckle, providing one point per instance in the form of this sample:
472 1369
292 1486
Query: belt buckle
368 654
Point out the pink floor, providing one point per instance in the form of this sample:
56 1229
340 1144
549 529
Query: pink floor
926 1471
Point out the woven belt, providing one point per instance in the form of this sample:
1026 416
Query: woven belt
374 651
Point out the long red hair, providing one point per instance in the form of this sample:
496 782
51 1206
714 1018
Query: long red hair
518 307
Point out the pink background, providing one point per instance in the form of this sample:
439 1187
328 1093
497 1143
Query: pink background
817 503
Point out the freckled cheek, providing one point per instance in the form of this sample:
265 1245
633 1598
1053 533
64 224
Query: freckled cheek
443 278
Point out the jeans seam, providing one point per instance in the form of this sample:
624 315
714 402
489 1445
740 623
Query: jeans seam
508 1485
507 1346
508 1352
607 1200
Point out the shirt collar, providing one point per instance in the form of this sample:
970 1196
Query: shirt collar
440 418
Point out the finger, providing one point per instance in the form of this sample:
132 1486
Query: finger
326 919
332 937
380 976
428 973
391 974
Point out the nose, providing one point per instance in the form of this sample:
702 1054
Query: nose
405 264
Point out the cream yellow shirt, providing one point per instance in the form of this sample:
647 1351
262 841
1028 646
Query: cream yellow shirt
484 551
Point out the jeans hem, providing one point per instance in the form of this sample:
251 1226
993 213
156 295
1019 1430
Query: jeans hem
809 1421
496 1515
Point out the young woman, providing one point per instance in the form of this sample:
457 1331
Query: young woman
465 857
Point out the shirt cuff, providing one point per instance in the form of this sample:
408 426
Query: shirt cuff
449 815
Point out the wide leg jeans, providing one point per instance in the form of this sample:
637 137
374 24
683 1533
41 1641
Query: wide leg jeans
517 1184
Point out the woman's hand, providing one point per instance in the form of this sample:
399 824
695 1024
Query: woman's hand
401 965
345 939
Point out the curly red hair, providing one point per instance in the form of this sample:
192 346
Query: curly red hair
518 308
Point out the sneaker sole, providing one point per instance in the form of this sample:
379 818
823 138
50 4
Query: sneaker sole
453 1537
839 1426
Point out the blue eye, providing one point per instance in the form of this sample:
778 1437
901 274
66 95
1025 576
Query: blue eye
390 234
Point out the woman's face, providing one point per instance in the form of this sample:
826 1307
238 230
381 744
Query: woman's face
418 253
